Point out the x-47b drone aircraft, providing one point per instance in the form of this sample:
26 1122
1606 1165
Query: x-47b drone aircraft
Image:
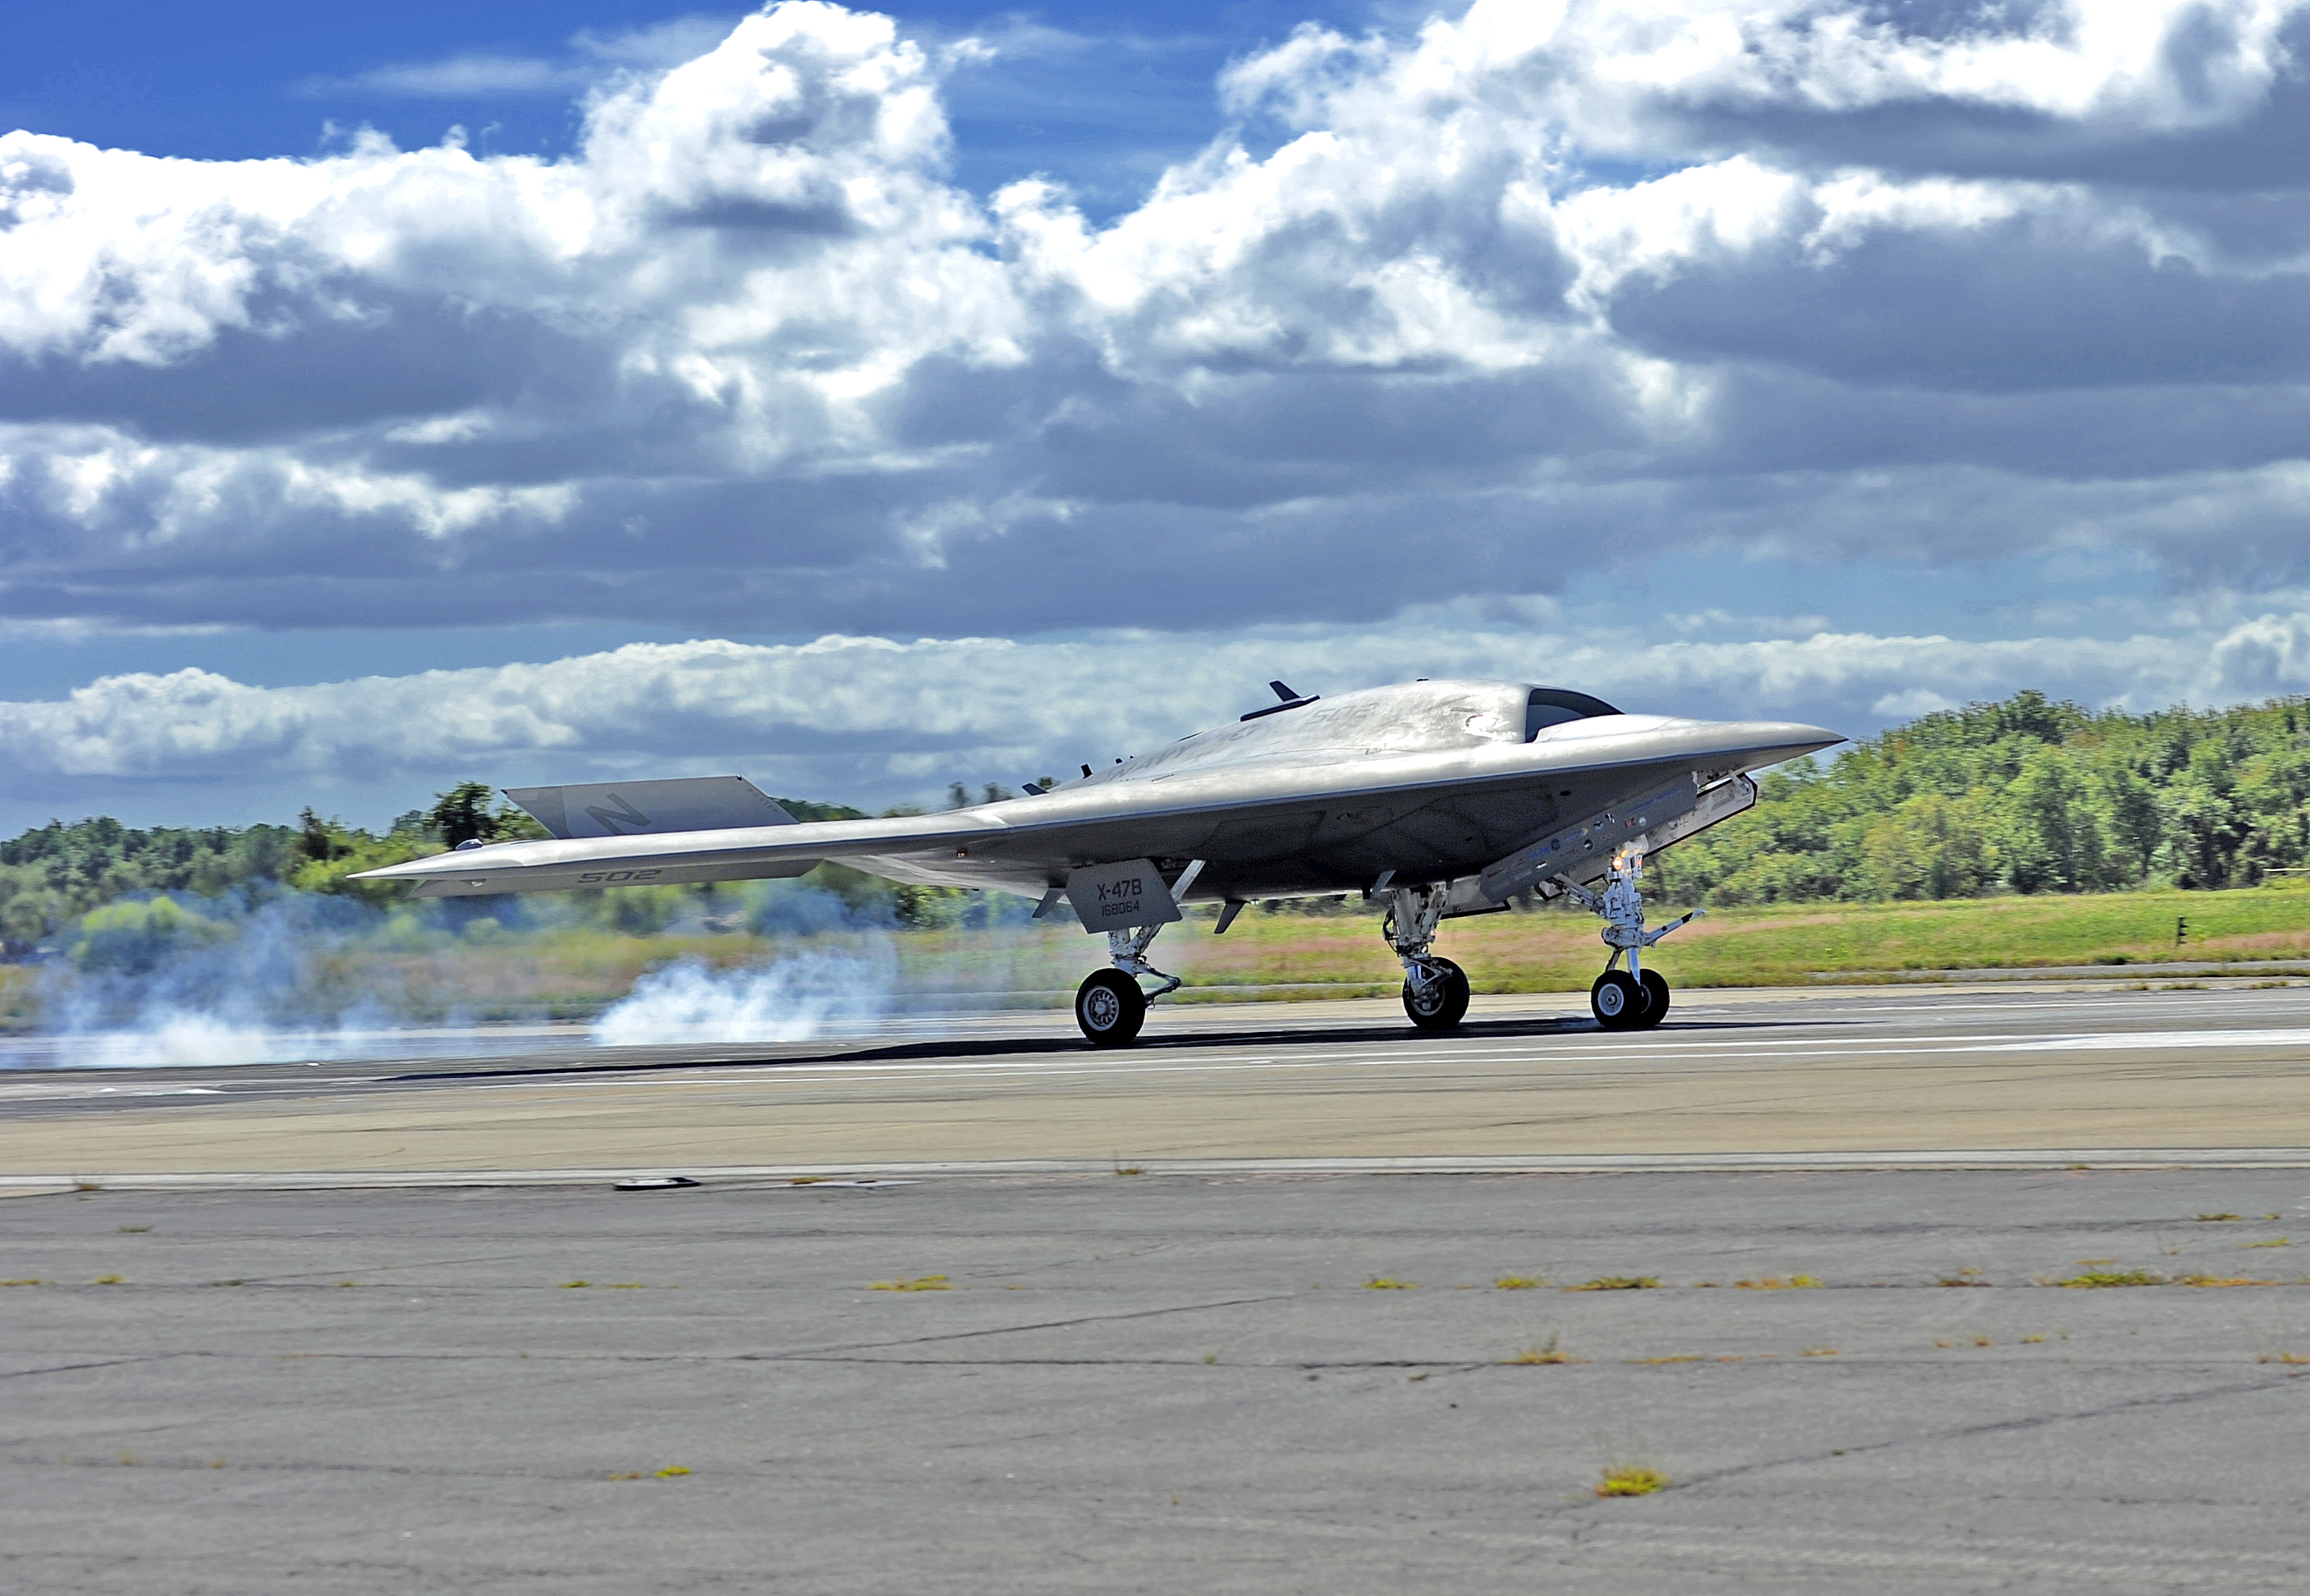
1436 799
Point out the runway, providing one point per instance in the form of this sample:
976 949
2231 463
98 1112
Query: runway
1232 1384
1981 1076
1900 1290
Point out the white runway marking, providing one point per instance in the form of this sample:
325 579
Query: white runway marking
2025 1158
2168 1039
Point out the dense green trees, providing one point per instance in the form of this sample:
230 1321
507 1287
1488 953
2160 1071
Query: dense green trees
2027 796
52 875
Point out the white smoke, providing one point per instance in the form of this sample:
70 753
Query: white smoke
172 979
795 999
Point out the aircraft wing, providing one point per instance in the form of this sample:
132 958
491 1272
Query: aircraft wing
1279 828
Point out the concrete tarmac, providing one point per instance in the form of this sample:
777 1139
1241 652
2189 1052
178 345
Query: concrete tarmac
1223 1383
351 1328
2093 1073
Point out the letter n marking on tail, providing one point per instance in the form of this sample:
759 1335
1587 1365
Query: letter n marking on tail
608 816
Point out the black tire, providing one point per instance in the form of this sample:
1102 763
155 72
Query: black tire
1656 999
1619 1001
1442 1002
1110 1008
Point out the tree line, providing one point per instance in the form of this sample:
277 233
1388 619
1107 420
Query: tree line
2028 794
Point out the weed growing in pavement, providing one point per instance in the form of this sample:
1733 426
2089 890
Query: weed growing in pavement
1545 1353
1630 1480
575 1285
2114 1277
135 1229
1818 1352
2221 1280
1521 1282
1618 1283
2031 1340
1672 1357
672 1471
1383 1283
106 1280
919 1283
2216 1219
1779 1283
2275 1242
26 1282
2282 1358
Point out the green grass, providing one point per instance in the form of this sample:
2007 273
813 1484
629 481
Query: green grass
1339 952
1335 950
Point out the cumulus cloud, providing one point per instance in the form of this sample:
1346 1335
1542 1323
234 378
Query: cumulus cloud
874 721
1465 310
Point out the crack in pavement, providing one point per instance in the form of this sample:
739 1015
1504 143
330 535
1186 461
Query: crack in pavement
1965 1432
107 1363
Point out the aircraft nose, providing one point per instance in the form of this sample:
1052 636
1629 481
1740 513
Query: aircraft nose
1781 740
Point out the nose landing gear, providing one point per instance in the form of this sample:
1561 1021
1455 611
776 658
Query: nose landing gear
1636 998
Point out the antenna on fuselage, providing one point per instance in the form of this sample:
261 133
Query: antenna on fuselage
1292 700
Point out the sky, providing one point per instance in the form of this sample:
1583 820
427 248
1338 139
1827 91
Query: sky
863 401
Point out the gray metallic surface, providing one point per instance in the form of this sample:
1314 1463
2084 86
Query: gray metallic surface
1431 780
1154 1384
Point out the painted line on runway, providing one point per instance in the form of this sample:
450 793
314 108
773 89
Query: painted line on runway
1922 1160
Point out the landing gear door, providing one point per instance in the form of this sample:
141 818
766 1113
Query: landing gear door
1121 896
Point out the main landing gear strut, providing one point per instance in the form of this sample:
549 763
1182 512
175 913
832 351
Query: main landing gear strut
1635 998
1435 989
1110 1005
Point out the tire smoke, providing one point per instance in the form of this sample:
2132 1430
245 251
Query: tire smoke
797 998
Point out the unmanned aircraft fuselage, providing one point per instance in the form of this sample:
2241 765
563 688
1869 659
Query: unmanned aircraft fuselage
1443 798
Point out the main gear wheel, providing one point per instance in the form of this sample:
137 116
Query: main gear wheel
1439 1002
1110 1008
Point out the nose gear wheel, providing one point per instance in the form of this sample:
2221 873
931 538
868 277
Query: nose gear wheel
1619 1001
1656 990
1635 998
